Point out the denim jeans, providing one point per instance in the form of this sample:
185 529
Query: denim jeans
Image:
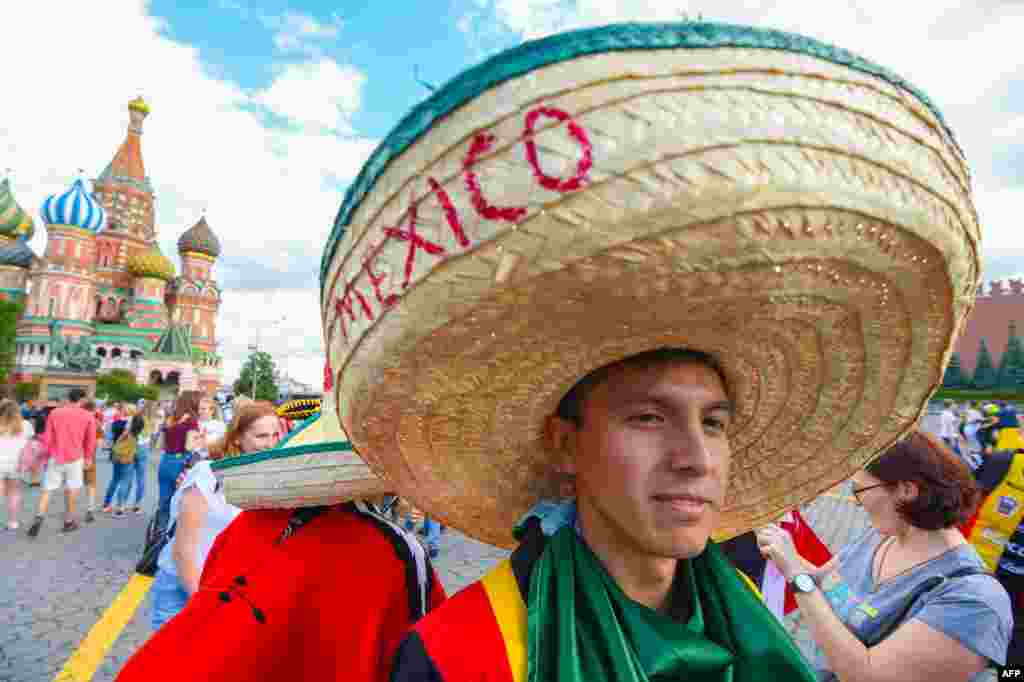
168 598
433 529
120 483
141 460
171 466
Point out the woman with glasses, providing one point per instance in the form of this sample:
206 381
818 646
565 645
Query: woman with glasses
911 599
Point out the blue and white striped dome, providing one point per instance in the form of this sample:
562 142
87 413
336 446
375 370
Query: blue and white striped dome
75 208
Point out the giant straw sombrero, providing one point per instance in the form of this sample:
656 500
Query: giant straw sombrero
798 212
314 465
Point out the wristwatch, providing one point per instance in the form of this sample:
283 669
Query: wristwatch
804 582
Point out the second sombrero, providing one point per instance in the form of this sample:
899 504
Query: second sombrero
801 214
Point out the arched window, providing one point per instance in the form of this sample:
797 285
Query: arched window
136 354
102 352
116 353
42 349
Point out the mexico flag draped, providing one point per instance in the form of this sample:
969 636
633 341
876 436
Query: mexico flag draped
743 552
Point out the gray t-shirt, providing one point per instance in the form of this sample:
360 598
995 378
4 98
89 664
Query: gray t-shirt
974 610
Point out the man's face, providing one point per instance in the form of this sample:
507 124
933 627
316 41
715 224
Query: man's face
652 459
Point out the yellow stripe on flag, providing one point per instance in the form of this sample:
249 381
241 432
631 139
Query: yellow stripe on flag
510 612
82 664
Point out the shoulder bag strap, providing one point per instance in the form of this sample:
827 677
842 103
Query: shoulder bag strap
919 592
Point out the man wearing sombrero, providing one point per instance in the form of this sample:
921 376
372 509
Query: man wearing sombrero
701 272
311 582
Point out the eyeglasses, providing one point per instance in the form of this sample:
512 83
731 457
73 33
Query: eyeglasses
857 491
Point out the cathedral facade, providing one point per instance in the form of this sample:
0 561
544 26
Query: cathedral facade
103 296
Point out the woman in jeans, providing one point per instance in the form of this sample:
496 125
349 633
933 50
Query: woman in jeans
200 513
151 425
179 426
121 481
915 495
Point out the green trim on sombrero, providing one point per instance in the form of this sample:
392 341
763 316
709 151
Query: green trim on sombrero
281 453
536 54
308 421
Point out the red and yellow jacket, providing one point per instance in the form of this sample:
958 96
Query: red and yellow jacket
315 594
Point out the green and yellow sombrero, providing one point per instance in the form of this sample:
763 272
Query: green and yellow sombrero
299 408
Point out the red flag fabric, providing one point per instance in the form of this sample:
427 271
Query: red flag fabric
807 545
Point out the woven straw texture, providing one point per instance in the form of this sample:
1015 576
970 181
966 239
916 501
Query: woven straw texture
316 466
808 223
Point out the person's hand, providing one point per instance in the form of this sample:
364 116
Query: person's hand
777 546
181 479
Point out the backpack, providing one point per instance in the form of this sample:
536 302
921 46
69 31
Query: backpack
124 448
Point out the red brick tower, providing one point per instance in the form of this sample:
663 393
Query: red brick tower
124 190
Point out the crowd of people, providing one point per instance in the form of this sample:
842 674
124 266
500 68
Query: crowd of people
695 329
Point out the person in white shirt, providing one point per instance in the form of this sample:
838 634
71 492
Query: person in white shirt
15 433
200 512
948 427
211 426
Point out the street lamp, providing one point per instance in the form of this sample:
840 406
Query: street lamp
254 348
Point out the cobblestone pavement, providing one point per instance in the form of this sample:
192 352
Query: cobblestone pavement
58 585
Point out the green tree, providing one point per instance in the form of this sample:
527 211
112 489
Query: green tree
9 314
259 366
27 390
1011 365
984 373
954 377
120 385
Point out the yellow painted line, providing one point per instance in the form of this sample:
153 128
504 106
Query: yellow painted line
90 653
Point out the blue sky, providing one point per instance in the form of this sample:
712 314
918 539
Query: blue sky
264 111
238 41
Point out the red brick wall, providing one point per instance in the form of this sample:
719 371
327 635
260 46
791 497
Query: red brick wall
991 319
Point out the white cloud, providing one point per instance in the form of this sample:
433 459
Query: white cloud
300 32
271 195
957 51
322 94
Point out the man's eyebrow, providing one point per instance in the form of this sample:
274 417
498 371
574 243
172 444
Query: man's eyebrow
625 399
721 405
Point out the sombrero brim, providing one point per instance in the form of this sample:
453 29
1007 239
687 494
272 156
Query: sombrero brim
797 212
314 466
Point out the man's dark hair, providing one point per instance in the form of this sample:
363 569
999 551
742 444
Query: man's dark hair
571 406
76 394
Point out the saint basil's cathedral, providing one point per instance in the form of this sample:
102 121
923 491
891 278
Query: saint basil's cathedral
103 296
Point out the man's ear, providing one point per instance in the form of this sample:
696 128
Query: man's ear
561 439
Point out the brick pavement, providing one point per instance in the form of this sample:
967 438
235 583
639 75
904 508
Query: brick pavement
58 585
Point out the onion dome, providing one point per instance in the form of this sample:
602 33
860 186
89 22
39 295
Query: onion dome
15 252
151 263
200 239
138 104
75 208
14 222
